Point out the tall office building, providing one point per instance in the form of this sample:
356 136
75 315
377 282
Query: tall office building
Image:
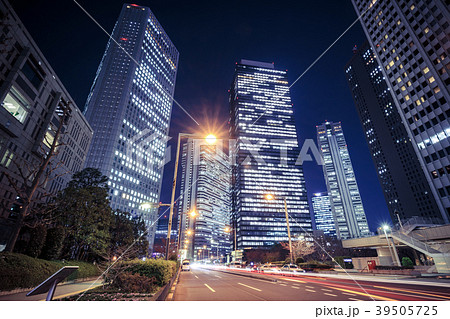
32 97
205 189
129 108
411 45
265 154
346 203
323 214
401 177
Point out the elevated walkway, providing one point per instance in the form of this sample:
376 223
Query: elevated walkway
417 233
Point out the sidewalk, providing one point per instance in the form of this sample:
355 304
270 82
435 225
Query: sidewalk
62 291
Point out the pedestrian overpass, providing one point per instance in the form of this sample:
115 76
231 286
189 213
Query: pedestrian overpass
423 235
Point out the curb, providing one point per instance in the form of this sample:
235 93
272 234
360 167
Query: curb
173 287
247 275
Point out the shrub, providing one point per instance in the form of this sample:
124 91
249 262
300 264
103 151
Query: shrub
159 269
407 262
314 266
132 283
37 241
21 271
53 243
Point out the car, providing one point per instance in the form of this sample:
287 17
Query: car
186 265
235 264
269 268
291 268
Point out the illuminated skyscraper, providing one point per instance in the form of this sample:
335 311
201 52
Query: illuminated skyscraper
205 189
129 108
411 44
346 203
323 214
265 154
401 177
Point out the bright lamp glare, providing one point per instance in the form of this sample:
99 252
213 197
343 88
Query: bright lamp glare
269 196
211 139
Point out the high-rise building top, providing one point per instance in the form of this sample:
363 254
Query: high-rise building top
266 150
205 190
129 107
346 203
411 45
32 97
401 177
323 214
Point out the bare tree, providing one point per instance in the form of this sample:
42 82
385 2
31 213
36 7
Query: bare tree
34 176
300 247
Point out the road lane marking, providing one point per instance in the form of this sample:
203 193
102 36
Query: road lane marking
249 286
196 276
310 287
413 291
332 295
310 290
346 293
326 289
354 299
295 287
365 294
217 276
209 288
283 285
295 280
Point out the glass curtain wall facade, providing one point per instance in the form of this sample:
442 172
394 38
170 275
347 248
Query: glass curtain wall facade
31 101
401 177
264 157
346 203
129 108
411 44
323 214
205 189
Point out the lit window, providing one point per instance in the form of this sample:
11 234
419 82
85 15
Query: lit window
437 89
431 79
426 70
426 30
412 7
16 105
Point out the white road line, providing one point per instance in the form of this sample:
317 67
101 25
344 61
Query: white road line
295 287
310 287
249 287
209 288
310 290
346 293
196 276
217 276
326 289
283 285
332 295
355 299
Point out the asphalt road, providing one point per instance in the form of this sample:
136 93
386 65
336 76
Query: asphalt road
201 284
60 292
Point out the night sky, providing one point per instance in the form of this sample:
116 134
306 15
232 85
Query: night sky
211 37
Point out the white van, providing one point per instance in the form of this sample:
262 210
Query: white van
185 265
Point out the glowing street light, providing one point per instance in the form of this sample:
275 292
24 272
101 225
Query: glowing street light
211 139
193 213
189 232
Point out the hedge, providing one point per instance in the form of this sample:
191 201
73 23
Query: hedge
158 269
21 271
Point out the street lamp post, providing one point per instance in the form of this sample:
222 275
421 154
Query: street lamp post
394 254
291 254
189 231
210 140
